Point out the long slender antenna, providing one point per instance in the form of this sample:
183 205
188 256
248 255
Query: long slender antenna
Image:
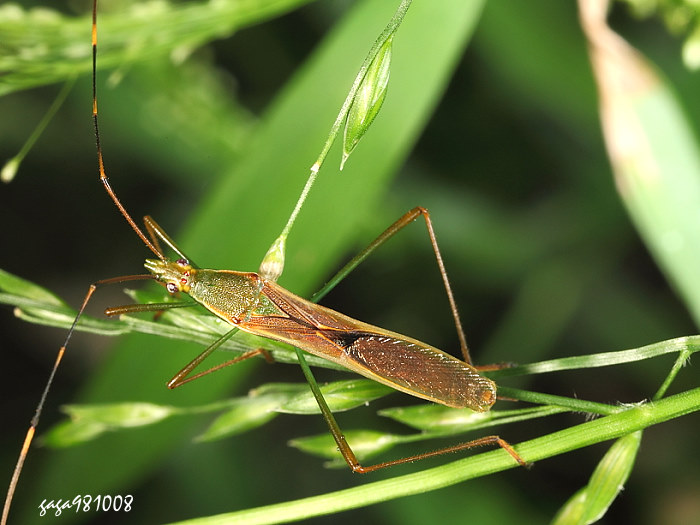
37 413
100 161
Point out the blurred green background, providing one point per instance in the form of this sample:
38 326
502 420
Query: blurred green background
508 157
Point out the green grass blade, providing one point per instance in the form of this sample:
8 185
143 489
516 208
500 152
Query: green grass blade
654 153
592 502
602 429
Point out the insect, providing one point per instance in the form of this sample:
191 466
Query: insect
254 303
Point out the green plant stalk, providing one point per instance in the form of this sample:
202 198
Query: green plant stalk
681 360
577 405
388 32
585 434
273 262
9 170
689 344
591 502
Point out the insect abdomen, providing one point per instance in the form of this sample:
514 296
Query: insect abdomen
422 371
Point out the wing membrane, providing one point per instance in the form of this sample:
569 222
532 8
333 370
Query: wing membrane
396 360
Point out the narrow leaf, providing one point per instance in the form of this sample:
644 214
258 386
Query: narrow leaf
260 406
591 503
70 433
124 415
340 395
15 285
431 416
240 418
364 443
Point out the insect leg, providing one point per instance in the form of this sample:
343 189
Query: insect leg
183 376
145 307
351 458
401 223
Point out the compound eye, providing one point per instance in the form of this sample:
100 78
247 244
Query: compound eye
183 262
172 288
